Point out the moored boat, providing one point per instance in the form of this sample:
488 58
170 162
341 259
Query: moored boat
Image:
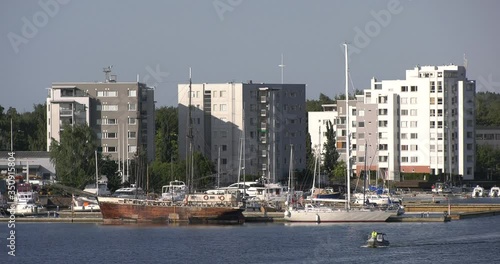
316 213
196 208
494 191
477 192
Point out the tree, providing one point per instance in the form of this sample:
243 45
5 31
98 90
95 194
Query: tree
109 167
73 156
166 125
487 162
339 173
330 154
316 105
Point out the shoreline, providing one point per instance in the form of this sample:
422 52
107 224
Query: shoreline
421 212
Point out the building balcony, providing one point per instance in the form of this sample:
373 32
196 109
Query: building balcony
65 112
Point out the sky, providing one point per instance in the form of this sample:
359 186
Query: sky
49 41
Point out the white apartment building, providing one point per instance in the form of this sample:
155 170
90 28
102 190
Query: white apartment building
317 126
263 119
121 114
402 126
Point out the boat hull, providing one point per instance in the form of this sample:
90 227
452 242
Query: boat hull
337 216
116 210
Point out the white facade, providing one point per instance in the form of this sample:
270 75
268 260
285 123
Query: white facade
318 124
269 117
435 101
402 126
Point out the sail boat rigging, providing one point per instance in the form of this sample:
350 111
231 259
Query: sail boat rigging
314 213
220 208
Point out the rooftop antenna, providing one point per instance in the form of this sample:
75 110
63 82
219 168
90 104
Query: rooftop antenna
465 62
282 66
107 71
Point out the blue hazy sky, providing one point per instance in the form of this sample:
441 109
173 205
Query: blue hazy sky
238 40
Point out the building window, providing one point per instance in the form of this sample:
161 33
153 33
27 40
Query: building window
414 89
404 136
361 124
414 136
404 100
361 113
132 107
109 135
413 147
224 147
223 107
404 124
107 93
223 134
404 159
131 120
131 134
132 149
413 112
109 121
413 124
404 147
404 88
132 93
413 100
404 112
222 94
414 159
110 149
107 107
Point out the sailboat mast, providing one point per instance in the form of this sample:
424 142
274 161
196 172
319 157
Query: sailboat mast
218 168
243 149
11 137
348 136
364 185
96 175
189 160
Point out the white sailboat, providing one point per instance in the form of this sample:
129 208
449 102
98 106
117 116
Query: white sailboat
317 213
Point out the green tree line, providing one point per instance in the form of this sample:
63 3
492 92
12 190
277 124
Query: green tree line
30 135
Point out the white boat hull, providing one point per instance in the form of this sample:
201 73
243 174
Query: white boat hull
340 215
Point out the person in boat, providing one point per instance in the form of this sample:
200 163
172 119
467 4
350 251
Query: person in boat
374 234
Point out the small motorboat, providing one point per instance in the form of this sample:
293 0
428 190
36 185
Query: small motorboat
376 240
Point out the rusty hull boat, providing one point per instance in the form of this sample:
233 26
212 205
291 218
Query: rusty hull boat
194 209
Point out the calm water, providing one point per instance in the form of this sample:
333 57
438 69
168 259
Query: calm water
465 241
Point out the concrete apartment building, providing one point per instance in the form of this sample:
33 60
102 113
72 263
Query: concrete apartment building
403 125
263 119
121 114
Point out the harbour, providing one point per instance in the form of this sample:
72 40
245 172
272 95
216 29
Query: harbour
415 212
